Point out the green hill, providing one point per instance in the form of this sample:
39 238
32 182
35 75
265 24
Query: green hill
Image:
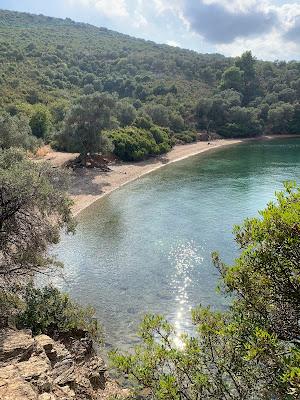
59 58
47 63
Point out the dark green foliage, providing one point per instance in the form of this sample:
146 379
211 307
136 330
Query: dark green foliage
46 61
252 350
83 125
135 144
243 122
40 122
33 210
280 117
49 311
126 113
186 136
232 79
15 131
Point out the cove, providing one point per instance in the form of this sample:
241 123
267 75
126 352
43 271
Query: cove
146 248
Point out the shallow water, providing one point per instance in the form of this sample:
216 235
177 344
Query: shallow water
146 247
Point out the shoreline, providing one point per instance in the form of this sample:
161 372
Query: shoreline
89 186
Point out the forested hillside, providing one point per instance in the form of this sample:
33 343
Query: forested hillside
47 64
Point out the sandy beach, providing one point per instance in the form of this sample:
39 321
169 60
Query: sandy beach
89 186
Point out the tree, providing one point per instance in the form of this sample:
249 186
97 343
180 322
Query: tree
203 113
232 78
212 112
232 97
135 144
280 116
176 122
83 125
47 310
40 121
33 210
294 126
252 350
246 63
159 114
287 95
126 113
15 131
243 121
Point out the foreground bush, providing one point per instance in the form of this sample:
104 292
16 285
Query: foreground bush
135 144
15 131
49 311
252 351
34 208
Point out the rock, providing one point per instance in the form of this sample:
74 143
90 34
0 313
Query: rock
54 350
63 372
203 136
17 389
15 346
64 393
96 369
36 371
47 396
41 368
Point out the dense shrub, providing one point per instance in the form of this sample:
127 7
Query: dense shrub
15 131
186 136
135 144
49 311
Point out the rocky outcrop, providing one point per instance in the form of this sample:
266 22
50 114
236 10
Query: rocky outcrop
41 368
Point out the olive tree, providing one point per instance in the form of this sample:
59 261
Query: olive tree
83 125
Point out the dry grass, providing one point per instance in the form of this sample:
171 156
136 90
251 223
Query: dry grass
43 151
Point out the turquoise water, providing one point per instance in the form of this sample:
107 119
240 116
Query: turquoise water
146 247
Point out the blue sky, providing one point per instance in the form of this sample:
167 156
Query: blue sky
270 28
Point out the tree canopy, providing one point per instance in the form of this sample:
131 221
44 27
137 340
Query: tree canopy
83 125
49 65
33 210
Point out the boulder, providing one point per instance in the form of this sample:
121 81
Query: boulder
41 368
15 345
17 389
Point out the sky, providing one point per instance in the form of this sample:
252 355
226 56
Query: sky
270 28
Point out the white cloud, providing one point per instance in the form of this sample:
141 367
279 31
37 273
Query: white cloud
173 43
239 5
273 45
268 47
108 8
161 20
139 21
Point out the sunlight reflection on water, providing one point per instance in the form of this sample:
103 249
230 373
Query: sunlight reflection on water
146 247
184 257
